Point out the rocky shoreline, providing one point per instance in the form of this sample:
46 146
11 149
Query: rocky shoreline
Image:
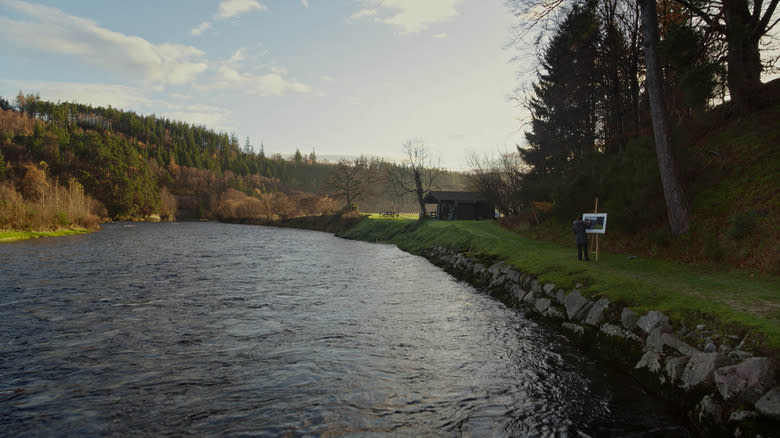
725 389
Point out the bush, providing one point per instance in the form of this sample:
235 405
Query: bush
742 225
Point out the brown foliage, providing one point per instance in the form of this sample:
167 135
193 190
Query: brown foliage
44 204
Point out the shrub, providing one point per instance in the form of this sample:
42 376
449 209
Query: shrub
742 225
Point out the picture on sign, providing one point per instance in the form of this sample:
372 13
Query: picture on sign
598 222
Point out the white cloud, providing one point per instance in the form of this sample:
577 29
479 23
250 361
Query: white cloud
440 35
237 57
234 8
202 27
305 3
409 16
270 84
53 31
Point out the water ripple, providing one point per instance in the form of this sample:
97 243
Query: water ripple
224 330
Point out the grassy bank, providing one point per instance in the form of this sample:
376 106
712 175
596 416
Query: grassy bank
14 235
728 302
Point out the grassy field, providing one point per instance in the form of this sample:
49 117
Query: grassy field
728 300
13 236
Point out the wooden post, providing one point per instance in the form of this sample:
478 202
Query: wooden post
595 248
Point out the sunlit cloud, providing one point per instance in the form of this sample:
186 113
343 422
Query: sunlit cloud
305 3
270 84
234 8
408 16
50 30
202 27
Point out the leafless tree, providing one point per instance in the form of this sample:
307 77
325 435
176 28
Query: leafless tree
499 180
350 180
417 174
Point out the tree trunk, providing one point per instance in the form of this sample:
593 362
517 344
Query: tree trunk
744 58
676 204
419 192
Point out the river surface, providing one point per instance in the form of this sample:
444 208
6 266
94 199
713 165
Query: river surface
210 329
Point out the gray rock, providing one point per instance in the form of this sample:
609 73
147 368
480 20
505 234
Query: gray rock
596 312
495 269
616 331
530 298
574 304
513 275
541 304
478 269
740 416
655 341
683 348
574 328
536 287
769 404
710 348
560 296
745 381
629 318
549 289
552 312
498 280
651 361
651 320
518 292
674 367
709 411
701 327
700 370
740 355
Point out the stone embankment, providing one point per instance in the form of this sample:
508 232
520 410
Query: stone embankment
726 390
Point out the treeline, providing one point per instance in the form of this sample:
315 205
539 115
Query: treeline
146 167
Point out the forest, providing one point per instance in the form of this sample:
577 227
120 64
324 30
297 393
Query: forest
657 110
64 163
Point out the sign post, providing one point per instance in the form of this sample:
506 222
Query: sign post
598 226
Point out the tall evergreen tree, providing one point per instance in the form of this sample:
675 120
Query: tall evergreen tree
563 108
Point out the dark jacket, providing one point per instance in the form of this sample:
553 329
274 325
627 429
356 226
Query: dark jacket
579 228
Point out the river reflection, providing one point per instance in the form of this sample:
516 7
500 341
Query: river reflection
222 330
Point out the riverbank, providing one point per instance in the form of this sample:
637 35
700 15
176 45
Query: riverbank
7 236
706 320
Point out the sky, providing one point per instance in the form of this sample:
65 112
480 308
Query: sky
337 77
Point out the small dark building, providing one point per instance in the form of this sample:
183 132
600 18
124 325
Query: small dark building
460 205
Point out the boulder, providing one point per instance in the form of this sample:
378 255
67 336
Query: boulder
700 370
518 292
541 304
629 318
709 411
498 280
560 296
574 304
651 320
683 348
746 381
674 367
769 404
596 312
549 289
574 328
552 312
495 269
536 287
651 361
513 275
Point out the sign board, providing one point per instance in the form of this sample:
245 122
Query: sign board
598 222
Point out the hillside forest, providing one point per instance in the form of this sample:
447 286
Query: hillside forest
64 163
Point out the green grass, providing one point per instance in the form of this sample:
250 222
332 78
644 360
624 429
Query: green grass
734 300
14 235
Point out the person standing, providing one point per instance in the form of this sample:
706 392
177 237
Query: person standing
581 237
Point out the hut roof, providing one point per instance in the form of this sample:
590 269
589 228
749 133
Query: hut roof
436 197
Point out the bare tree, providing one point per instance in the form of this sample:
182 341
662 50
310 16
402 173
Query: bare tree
416 174
499 180
350 180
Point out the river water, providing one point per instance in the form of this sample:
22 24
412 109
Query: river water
211 329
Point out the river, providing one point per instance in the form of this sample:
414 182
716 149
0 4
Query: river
212 329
